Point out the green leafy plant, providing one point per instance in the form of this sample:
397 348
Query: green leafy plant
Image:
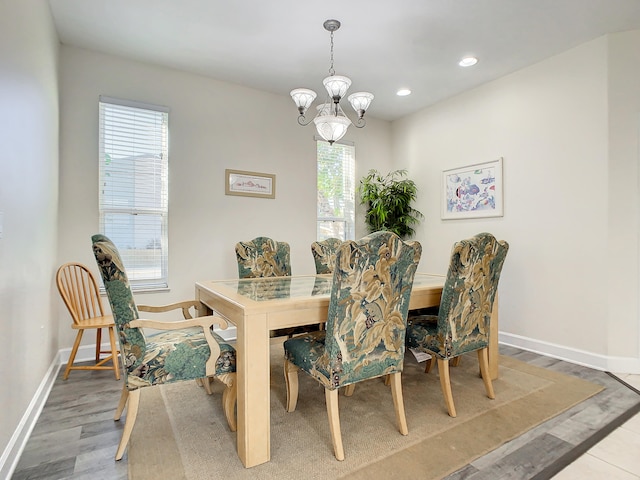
388 200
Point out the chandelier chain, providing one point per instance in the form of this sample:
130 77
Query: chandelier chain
331 70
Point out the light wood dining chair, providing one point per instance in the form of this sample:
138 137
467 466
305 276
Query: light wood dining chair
79 291
366 325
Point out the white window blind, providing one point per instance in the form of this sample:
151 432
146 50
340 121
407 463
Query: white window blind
336 190
133 175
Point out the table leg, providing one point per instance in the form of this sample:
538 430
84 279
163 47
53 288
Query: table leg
203 310
254 422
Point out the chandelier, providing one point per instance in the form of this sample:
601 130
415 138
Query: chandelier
331 121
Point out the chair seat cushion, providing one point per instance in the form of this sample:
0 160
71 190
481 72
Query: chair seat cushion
308 353
176 355
422 334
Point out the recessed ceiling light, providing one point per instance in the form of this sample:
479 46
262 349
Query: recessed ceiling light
468 61
403 92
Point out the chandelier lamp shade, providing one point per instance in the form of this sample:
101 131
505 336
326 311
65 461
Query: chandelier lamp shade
331 122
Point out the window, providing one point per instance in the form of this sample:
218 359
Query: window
336 190
133 203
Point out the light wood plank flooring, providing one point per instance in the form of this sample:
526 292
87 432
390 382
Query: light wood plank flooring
76 437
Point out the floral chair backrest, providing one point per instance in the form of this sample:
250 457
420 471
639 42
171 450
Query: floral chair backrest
263 257
324 254
468 293
123 306
369 302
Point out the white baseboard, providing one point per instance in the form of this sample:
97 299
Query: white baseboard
86 353
18 440
573 355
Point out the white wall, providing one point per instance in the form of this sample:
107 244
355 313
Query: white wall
213 125
29 203
623 318
569 284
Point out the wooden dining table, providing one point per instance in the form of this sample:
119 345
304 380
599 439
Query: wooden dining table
258 305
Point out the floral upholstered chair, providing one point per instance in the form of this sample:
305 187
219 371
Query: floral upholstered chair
462 323
324 254
263 257
366 325
183 350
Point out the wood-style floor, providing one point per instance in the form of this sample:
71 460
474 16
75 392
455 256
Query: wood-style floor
76 437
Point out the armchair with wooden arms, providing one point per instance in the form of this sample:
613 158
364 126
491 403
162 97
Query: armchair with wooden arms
182 350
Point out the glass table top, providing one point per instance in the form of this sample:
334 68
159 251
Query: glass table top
273 288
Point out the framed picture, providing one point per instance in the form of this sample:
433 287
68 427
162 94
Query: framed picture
249 184
473 191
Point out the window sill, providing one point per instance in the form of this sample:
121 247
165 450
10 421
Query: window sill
135 290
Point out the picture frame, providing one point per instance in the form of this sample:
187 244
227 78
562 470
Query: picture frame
473 191
249 184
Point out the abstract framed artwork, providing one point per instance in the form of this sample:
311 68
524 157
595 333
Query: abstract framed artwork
249 184
473 191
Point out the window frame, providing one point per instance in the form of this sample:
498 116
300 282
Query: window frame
136 206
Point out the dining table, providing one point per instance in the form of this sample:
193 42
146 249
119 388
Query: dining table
255 306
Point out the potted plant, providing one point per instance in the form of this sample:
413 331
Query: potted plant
388 200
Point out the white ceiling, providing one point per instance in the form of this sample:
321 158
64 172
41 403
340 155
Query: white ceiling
383 45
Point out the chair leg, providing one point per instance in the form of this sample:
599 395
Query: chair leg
445 384
229 400
428 364
291 380
206 383
331 397
98 343
74 350
132 413
114 353
455 361
398 402
483 359
349 389
124 396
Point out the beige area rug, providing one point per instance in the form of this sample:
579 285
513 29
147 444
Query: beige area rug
181 432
